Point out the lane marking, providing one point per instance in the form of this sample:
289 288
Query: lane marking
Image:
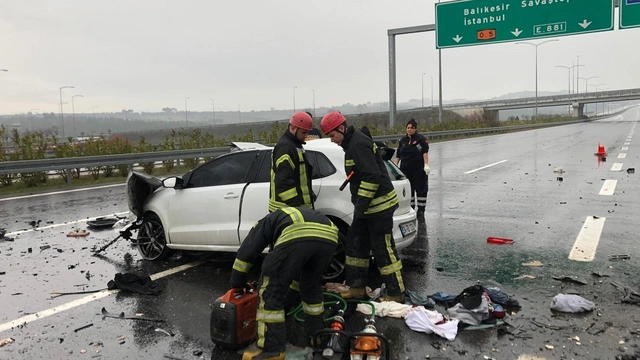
60 192
584 249
622 155
616 167
120 214
87 299
486 166
546 147
609 187
626 144
624 148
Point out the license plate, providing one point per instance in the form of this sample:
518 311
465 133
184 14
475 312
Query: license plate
407 228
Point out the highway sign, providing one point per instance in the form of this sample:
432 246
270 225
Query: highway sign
478 22
629 14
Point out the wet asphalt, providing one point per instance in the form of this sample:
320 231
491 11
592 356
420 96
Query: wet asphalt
520 198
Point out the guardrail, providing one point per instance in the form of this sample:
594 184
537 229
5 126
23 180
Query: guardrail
44 165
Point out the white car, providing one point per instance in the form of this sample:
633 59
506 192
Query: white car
213 207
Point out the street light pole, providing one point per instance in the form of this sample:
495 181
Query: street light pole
586 84
536 46
213 110
314 102
186 112
73 111
422 98
294 98
598 85
62 109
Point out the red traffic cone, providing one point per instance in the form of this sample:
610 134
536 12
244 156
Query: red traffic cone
601 150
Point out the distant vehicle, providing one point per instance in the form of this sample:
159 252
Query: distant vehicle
213 207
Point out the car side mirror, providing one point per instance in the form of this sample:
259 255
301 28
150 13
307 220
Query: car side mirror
172 182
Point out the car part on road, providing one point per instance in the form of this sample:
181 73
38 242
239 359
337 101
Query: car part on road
125 233
83 327
78 233
619 257
498 241
56 294
233 318
122 317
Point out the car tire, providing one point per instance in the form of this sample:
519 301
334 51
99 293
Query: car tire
335 272
152 241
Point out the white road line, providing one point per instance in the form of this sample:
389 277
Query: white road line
60 192
63 224
624 148
622 155
584 249
87 299
627 143
548 146
486 166
609 187
616 167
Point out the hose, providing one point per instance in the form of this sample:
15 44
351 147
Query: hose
357 301
298 309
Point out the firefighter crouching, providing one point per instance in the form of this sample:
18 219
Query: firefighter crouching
290 170
375 201
302 244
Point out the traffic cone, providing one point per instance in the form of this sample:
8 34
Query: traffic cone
601 150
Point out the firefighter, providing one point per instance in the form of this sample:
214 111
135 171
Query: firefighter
302 243
375 200
413 156
290 170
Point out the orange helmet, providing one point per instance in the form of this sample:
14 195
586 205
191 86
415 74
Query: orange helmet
331 121
302 120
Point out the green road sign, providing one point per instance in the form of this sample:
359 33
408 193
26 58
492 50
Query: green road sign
629 14
478 22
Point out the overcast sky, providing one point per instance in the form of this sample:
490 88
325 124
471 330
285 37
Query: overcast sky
146 55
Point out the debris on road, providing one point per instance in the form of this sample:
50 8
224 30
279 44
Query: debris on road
630 296
631 170
83 327
56 294
570 279
45 247
619 257
530 277
499 241
121 316
78 233
534 263
6 341
165 332
134 283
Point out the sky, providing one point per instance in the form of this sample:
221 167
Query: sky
149 54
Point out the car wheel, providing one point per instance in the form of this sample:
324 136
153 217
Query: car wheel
335 271
152 242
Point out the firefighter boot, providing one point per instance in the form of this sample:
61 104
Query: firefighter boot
396 298
353 293
259 354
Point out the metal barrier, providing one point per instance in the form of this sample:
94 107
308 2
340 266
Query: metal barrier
44 165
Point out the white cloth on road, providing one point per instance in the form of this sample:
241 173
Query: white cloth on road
386 308
429 321
571 303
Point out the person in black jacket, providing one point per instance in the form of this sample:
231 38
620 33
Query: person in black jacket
302 243
413 156
290 170
375 200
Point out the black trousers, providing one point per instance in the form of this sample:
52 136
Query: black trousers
419 186
305 261
373 235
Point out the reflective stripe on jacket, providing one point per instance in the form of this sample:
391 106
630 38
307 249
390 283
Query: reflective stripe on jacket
290 175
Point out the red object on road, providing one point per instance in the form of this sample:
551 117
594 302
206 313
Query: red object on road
498 241
601 150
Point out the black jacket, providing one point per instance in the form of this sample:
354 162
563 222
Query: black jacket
372 192
410 152
285 227
290 175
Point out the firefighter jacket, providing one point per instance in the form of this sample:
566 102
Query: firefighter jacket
290 175
287 226
372 192
410 152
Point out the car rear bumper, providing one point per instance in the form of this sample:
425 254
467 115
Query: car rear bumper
404 240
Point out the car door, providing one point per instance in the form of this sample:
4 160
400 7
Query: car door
255 203
207 210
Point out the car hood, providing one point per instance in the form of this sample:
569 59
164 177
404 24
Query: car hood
139 187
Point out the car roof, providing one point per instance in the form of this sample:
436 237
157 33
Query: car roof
248 146
321 145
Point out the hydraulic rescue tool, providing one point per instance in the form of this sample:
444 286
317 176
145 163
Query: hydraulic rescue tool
233 318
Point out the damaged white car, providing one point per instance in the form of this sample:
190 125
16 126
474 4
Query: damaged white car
213 207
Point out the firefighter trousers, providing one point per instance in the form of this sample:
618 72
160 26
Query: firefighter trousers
303 260
373 235
419 188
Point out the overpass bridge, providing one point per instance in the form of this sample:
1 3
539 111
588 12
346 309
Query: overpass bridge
577 101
